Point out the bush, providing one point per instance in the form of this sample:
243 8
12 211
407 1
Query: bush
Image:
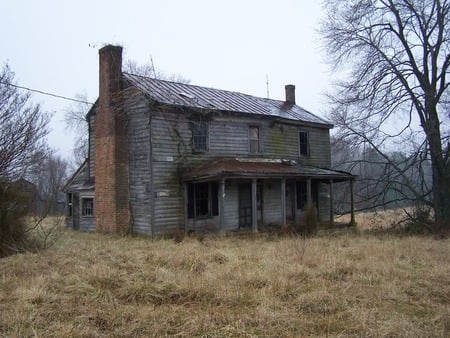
13 208
311 222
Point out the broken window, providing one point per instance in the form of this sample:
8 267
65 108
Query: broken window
303 143
199 135
254 140
87 207
203 200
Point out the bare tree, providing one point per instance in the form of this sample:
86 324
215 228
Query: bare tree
75 118
23 128
23 148
394 56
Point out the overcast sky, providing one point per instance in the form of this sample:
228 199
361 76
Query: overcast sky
52 46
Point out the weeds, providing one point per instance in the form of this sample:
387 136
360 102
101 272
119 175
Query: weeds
347 285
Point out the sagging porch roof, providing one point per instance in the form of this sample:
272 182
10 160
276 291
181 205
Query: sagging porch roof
261 168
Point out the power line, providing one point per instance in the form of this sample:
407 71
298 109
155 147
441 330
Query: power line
47 93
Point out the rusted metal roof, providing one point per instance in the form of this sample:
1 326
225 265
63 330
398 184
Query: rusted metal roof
187 95
242 168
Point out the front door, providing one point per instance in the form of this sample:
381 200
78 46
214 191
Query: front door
245 205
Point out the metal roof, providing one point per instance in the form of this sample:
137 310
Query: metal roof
261 168
187 95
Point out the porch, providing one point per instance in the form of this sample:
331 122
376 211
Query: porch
234 194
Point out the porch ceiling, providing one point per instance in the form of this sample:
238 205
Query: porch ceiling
260 168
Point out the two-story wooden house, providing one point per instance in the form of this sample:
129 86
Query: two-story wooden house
166 156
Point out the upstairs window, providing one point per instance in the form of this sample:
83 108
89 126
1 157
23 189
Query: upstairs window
254 138
199 136
303 143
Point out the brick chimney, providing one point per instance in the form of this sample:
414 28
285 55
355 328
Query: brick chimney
111 151
290 93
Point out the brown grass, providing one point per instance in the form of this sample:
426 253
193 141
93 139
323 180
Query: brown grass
345 285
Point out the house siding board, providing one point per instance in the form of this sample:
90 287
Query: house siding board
228 138
87 224
272 202
140 173
169 148
231 206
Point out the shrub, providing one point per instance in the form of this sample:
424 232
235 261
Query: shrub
310 224
13 208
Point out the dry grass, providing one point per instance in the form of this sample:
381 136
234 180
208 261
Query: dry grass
345 285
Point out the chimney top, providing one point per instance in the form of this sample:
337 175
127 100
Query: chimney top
290 93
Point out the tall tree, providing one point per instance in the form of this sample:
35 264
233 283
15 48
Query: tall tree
23 128
394 57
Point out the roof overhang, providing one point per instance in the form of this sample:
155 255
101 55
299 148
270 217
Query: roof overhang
261 168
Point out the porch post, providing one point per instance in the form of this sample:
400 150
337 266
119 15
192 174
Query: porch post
352 205
254 207
331 203
185 188
222 205
283 202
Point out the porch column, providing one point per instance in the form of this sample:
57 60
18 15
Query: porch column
222 205
331 203
254 207
308 191
352 205
283 202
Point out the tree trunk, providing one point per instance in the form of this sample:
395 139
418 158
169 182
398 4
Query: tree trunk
441 175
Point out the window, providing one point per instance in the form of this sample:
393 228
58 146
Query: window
254 140
303 143
301 194
203 200
87 207
199 135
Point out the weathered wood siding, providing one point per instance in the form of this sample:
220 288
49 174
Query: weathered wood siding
139 163
272 202
160 146
324 202
169 136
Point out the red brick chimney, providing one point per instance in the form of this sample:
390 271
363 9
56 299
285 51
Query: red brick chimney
290 93
111 151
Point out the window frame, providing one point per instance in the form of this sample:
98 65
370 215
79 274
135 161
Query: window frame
306 147
200 129
87 211
196 195
252 139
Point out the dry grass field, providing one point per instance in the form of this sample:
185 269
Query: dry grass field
347 284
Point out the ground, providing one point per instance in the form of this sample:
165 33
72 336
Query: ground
344 284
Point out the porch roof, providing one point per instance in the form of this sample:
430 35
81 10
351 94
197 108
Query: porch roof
261 168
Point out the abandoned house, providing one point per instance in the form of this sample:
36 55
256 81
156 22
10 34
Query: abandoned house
166 156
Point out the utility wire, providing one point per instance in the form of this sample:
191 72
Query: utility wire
46 93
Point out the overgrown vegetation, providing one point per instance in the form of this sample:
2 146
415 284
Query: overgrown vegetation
346 284
30 175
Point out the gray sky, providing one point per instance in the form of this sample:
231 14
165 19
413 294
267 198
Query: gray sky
53 46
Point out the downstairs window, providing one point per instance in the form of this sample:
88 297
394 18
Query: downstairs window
203 200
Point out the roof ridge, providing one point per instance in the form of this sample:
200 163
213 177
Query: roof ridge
171 92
